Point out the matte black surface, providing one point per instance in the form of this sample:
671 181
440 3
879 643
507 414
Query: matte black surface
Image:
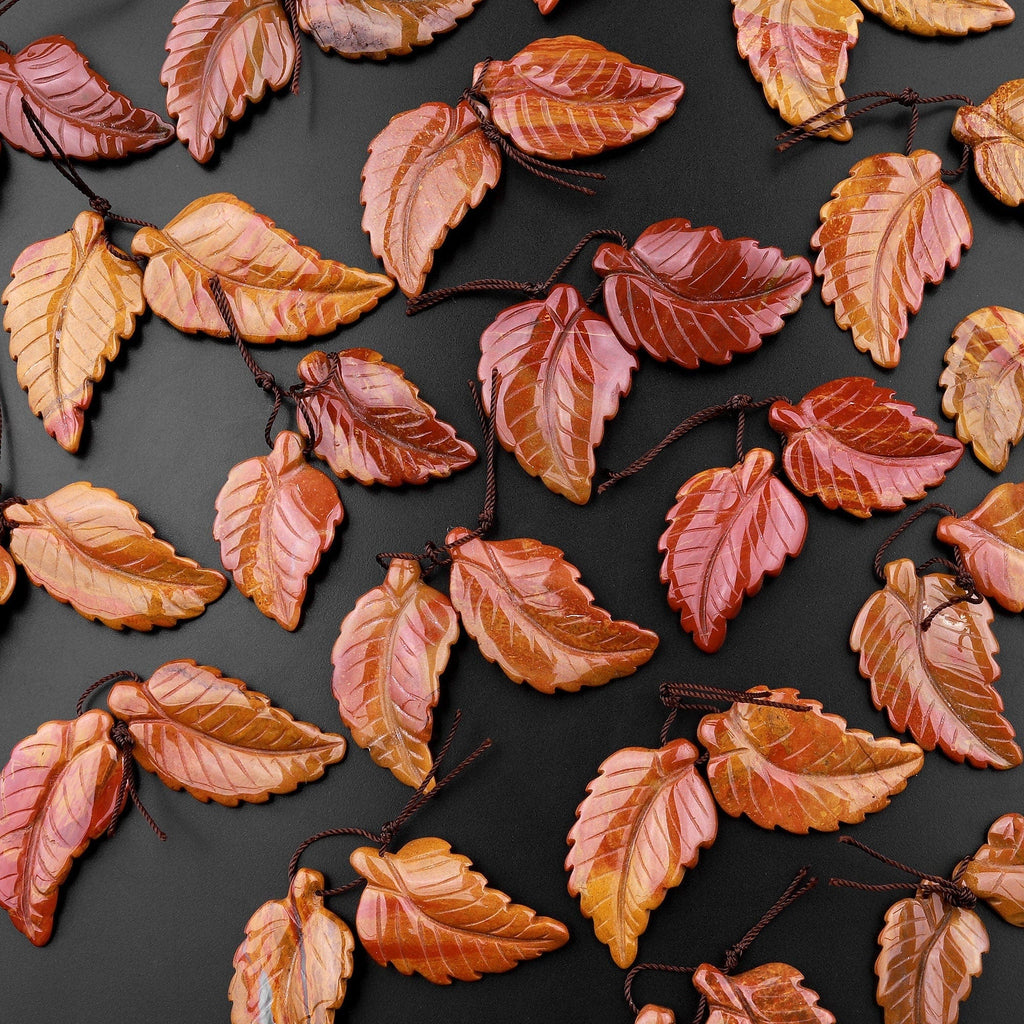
146 931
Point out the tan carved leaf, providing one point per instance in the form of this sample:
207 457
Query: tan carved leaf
996 872
941 17
995 132
769 994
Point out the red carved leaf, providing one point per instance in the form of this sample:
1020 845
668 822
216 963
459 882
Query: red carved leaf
388 659
57 792
729 529
207 734
566 97
426 169
275 516
76 105
892 227
942 17
371 423
8 575
996 872
769 994
561 372
424 910
688 294
991 543
222 54
644 821
546 6
995 132
524 605
935 683
856 447
800 770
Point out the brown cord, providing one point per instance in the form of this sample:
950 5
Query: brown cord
122 675
678 695
293 22
627 985
125 743
3 10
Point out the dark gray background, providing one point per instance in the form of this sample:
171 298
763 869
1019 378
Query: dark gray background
145 930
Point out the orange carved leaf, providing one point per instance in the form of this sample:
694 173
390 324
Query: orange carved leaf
799 52
546 6
207 734
996 872
388 659
858 448
524 605
729 529
296 959
644 821
941 17
566 97
935 683
77 106
70 304
222 54
426 169
378 28
984 382
89 549
424 910
991 543
800 770
995 132
8 575
930 952
892 227
561 372
276 288
275 516
651 1014
57 792
769 994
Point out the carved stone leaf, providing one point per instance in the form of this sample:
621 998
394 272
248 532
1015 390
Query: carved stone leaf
930 952
221 55
8 575
89 549
935 683
991 543
644 821
207 734
769 994
424 910
57 792
651 1014
984 382
892 227
546 6
277 289
296 959
388 659
799 52
371 423
68 307
690 295
89 119
524 605
858 448
561 373
729 529
996 872
995 132
566 97
276 515
426 169
378 28
800 770
941 17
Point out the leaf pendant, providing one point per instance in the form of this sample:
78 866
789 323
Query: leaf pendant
561 372
729 529
689 295
769 994
207 734
941 17
892 227
801 770
546 6
858 448
524 605
8 575
935 683
70 304
58 791
644 821
995 132
276 515
388 660
424 910
295 961
90 549
996 872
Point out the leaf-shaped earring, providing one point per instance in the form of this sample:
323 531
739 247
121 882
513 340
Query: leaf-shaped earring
942 17
994 131
995 873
